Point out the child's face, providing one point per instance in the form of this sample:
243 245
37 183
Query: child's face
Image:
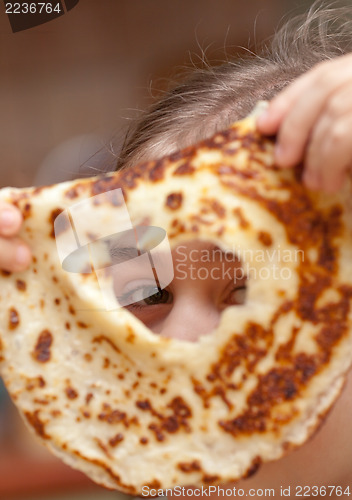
206 281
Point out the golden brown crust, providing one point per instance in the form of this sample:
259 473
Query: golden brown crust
151 411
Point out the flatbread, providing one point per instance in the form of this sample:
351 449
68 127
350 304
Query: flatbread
132 409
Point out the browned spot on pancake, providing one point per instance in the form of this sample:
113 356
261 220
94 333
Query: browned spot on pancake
210 478
41 351
131 337
130 176
157 431
36 382
41 401
55 413
124 487
71 393
39 426
67 326
103 338
89 396
38 190
71 310
55 213
55 280
81 324
241 349
144 405
4 273
114 416
144 440
57 302
265 238
75 191
14 318
253 469
104 185
215 206
154 484
26 210
170 423
184 169
174 201
156 172
88 357
243 221
188 467
178 227
21 285
103 447
114 441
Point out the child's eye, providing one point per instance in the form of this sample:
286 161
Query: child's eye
146 295
236 296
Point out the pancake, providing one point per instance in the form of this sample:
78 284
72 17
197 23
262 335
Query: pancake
130 408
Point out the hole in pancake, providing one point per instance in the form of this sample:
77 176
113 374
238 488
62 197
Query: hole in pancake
206 280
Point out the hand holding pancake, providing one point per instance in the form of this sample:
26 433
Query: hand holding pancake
14 254
312 118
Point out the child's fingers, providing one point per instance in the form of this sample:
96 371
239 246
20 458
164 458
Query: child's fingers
329 154
15 256
10 219
297 127
295 111
269 122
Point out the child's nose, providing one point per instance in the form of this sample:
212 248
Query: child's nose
189 319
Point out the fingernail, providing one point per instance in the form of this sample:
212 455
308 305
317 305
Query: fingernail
22 255
7 218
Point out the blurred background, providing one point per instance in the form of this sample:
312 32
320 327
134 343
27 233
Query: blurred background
69 89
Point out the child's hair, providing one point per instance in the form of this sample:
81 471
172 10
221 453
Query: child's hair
211 99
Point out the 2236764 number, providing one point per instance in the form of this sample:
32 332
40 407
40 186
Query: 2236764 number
322 491
32 8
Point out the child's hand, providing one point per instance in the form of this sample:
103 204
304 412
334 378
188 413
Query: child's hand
14 254
312 118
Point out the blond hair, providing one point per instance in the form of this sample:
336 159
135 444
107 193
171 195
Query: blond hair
211 99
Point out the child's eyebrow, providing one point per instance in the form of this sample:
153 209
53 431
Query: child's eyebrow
121 254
